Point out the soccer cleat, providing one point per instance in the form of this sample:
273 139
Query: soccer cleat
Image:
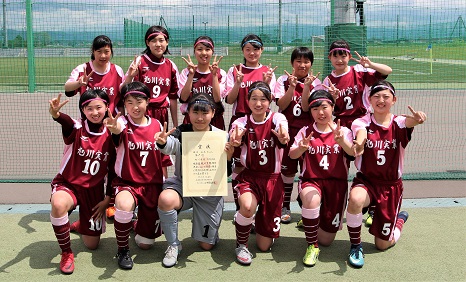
243 256
74 227
286 215
370 218
67 262
171 255
110 212
312 253
300 224
356 256
124 259
403 215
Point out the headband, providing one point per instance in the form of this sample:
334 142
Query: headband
205 42
320 99
134 92
382 87
93 99
252 41
155 34
263 89
201 101
340 49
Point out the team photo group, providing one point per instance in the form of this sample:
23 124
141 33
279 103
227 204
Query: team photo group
118 153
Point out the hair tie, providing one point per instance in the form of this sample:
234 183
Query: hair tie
93 99
320 99
156 33
206 42
135 92
252 41
339 49
383 87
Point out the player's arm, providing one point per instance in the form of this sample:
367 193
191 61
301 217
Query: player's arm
417 117
285 100
232 95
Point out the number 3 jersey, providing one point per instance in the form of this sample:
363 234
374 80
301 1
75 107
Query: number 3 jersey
324 159
138 158
86 156
261 150
384 149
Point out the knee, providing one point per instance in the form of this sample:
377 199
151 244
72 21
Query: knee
246 211
383 245
356 200
143 243
59 207
91 242
206 246
124 203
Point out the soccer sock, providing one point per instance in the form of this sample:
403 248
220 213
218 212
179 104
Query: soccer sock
61 227
234 182
398 227
243 227
122 226
311 225
353 223
169 223
288 185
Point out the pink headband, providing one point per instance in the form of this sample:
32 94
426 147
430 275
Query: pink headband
93 99
320 99
382 87
206 42
155 34
135 92
340 49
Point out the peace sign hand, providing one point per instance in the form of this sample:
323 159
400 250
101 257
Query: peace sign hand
236 136
305 141
267 76
337 132
55 106
332 90
282 135
364 61
214 67
418 116
133 68
191 66
310 78
112 122
239 73
292 79
358 148
84 79
162 136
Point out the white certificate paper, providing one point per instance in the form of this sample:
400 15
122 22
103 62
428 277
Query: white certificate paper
204 163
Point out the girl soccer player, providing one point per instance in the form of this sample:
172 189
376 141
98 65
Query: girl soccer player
87 158
324 178
239 80
288 94
98 73
207 211
381 139
203 77
261 136
160 74
139 172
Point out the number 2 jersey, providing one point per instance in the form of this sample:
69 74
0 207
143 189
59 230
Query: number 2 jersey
138 158
87 155
261 150
384 149
324 159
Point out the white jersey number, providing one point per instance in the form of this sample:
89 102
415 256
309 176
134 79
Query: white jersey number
277 224
92 168
348 102
144 155
324 162
381 157
263 157
386 229
156 91
336 220
297 110
95 224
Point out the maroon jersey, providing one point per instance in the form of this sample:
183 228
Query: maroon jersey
86 156
354 86
297 119
138 158
161 78
109 81
324 159
240 107
261 150
384 150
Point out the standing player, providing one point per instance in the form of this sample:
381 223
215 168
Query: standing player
139 172
381 139
324 178
87 159
207 211
288 93
262 136
203 78
98 73
160 74
239 79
